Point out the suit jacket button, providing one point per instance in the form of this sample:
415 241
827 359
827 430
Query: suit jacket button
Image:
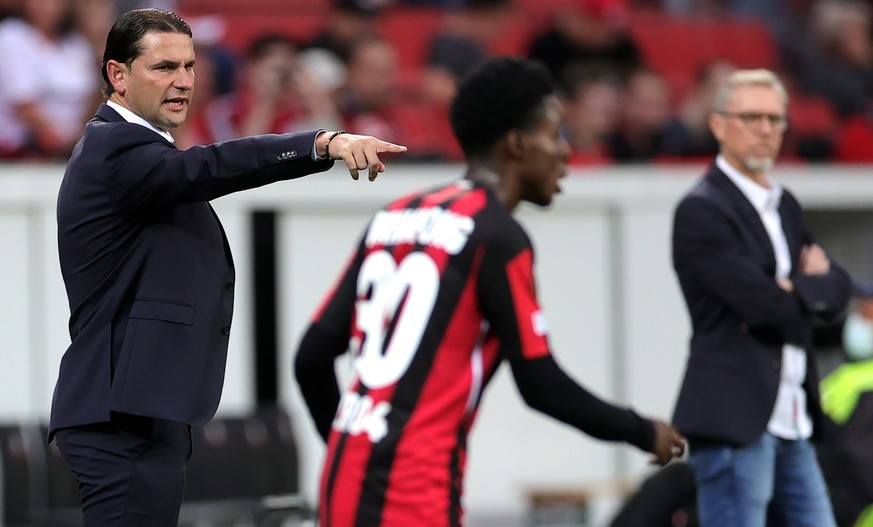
229 286
225 329
744 327
775 365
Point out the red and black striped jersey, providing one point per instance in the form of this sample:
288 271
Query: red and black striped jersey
439 291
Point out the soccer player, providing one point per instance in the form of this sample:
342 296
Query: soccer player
439 293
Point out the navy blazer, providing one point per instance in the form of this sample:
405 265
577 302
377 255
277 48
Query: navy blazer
147 268
740 317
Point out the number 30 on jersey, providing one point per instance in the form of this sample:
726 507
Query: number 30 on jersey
399 296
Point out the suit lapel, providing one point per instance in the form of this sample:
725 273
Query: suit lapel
746 213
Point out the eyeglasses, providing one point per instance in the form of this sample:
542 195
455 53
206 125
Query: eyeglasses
754 118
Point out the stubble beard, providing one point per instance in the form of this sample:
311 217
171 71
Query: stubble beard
759 165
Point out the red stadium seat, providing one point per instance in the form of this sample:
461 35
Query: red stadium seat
678 47
811 114
243 28
233 7
410 29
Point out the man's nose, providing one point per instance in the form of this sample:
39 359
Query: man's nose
184 79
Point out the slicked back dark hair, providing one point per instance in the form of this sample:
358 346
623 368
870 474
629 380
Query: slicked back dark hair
124 42
502 94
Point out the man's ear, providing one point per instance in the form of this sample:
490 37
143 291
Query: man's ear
117 72
716 126
516 142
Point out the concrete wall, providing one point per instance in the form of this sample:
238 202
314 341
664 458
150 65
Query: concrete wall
603 265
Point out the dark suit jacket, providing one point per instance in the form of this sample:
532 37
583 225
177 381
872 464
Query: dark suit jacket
148 271
740 317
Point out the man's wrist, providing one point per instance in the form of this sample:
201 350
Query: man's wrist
325 152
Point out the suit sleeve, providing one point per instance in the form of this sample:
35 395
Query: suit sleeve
709 250
146 172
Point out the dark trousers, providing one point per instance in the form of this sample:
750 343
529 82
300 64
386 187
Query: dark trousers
131 470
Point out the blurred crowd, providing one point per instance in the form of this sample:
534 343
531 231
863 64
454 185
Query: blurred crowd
348 69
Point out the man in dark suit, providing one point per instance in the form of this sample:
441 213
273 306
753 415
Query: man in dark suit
149 273
753 281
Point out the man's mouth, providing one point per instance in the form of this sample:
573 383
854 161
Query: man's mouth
176 103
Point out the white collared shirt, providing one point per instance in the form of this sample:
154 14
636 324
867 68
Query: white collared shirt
131 117
789 419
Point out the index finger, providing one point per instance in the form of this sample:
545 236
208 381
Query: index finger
385 146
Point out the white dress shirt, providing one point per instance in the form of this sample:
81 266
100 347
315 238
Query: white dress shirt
789 419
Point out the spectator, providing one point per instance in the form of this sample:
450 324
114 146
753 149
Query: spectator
371 102
47 81
369 95
591 30
687 134
461 45
326 56
837 59
211 31
348 22
93 18
645 114
592 100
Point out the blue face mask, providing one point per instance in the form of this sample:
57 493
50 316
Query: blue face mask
858 337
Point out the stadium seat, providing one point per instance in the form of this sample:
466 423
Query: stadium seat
64 505
811 114
236 463
241 29
410 30
678 47
18 487
273 7
243 470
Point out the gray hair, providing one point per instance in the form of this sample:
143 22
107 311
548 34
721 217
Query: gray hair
757 77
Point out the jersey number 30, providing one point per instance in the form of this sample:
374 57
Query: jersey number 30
400 296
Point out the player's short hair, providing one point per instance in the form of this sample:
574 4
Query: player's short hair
502 94
124 42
